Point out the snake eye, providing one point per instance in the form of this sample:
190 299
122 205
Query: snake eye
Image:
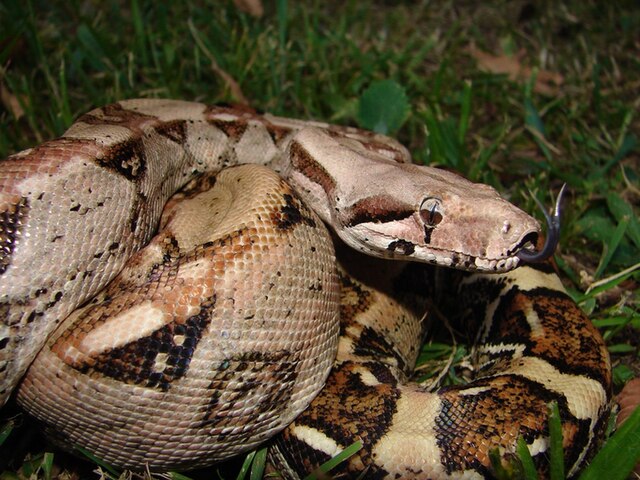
431 211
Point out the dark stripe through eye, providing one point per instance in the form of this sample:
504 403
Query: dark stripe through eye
376 209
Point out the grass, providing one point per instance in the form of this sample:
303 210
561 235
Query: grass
513 129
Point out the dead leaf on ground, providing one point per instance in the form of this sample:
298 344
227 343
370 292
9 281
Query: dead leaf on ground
232 85
628 400
11 102
547 83
230 82
252 7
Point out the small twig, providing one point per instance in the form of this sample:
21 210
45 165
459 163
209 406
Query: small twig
630 185
454 349
542 139
612 277
229 81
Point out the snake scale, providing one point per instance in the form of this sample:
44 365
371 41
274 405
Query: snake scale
224 328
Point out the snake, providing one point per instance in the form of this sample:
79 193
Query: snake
181 283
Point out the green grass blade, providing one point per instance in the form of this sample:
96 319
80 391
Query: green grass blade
6 430
258 464
246 465
114 472
178 476
465 113
609 248
93 47
65 109
528 467
47 465
622 210
556 453
535 125
479 167
621 450
629 144
607 283
37 43
332 463
138 27
622 374
282 10
497 468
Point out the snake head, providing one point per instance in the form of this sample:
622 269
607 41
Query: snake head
400 210
434 216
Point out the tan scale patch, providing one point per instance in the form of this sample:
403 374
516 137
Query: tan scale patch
235 347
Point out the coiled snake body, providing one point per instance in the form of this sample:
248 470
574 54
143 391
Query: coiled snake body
219 333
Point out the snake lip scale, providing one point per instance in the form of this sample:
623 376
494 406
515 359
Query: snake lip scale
171 297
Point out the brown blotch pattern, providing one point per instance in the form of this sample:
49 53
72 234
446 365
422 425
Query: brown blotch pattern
376 209
131 287
369 141
126 158
276 132
116 114
469 426
565 328
354 300
232 128
137 362
291 211
369 341
347 410
304 162
235 109
271 375
379 147
372 343
175 131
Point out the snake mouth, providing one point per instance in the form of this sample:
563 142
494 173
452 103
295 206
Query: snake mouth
402 248
529 239
503 262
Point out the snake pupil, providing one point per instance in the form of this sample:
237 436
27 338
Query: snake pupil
430 211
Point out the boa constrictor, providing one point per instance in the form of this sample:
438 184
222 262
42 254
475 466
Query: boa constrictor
219 333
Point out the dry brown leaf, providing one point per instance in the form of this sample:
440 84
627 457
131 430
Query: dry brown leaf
547 82
232 85
11 102
230 82
628 399
252 7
